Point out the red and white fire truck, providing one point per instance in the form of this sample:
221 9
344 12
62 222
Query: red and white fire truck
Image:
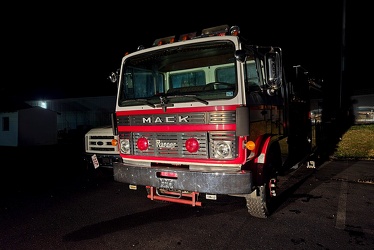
204 115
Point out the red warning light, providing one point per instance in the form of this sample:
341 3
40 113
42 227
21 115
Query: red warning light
192 145
142 143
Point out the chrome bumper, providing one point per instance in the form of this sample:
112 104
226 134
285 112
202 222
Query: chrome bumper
195 181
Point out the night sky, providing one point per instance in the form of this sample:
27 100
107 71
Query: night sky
69 51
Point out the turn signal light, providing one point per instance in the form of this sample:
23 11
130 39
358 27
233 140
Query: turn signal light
114 142
250 145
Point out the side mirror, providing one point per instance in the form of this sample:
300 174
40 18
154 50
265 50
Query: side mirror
273 69
114 76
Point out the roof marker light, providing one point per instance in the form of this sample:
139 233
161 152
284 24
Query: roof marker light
187 36
234 31
216 31
164 40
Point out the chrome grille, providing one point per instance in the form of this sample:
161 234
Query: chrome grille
216 117
171 144
222 117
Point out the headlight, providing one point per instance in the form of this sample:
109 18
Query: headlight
125 146
222 149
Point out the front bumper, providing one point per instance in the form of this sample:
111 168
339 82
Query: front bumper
194 181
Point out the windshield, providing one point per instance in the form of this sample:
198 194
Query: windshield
198 72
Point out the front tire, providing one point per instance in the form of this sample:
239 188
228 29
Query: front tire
259 201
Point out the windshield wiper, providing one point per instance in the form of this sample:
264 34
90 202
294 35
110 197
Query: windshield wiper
142 101
189 96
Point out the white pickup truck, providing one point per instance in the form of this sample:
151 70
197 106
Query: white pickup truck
101 148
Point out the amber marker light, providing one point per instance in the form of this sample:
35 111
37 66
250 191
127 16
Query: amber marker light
250 145
114 142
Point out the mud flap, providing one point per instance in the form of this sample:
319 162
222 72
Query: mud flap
256 203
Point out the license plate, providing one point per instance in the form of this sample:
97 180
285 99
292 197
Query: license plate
95 161
167 183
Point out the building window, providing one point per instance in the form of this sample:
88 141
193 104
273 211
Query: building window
5 123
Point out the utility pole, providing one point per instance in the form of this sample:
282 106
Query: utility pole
342 56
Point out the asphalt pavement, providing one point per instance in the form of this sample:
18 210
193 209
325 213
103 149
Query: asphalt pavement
360 171
47 203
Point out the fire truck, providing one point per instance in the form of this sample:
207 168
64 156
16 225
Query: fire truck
205 115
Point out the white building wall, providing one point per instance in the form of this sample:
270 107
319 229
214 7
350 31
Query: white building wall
9 138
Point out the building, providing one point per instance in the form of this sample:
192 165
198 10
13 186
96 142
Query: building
28 126
79 113
41 122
